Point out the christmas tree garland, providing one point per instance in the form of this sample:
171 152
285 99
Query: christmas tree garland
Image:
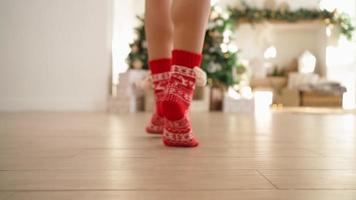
220 60
283 14
138 56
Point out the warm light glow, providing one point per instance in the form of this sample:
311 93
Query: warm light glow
233 48
263 99
227 35
328 31
271 52
263 102
213 2
347 6
246 92
343 54
224 47
307 63
340 58
233 94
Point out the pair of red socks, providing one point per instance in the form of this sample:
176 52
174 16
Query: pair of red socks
174 83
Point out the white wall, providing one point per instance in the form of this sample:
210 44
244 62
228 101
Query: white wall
54 54
124 24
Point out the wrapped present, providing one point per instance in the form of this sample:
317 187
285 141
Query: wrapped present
118 105
136 77
297 80
274 82
129 94
242 102
324 87
216 98
136 91
316 99
287 97
238 105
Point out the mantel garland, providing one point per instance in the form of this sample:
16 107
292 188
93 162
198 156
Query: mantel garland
245 13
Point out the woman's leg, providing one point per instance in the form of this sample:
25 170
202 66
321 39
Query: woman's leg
159 28
190 18
159 35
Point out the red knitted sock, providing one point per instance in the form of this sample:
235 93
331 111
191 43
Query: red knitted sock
178 97
160 70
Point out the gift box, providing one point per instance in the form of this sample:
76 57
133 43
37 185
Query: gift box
216 98
297 80
238 105
316 99
136 76
136 91
287 97
118 105
129 96
274 82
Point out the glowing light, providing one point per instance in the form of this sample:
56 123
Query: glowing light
271 52
306 63
233 48
326 5
263 99
233 94
213 2
246 92
328 31
224 47
343 54
227 33
347 6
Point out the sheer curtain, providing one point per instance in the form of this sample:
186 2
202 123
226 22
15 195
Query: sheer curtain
341 58
124 14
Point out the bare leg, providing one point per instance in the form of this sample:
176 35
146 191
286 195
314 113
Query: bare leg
159 28
190 18
159 32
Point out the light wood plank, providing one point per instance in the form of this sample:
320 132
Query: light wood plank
20 153
183 162
191 195
155 179
312 179
199 152
278 156
5 195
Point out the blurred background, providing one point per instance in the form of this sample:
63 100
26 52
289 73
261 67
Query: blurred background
90 55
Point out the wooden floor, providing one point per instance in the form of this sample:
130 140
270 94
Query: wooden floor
94 156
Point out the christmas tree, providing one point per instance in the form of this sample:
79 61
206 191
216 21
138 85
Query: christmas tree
220 60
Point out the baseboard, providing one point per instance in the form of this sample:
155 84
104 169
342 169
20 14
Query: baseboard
52 104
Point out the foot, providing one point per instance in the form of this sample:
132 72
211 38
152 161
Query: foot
156 125
160 73
179 133
178 97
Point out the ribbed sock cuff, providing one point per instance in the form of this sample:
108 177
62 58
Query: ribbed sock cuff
186 58
160 65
